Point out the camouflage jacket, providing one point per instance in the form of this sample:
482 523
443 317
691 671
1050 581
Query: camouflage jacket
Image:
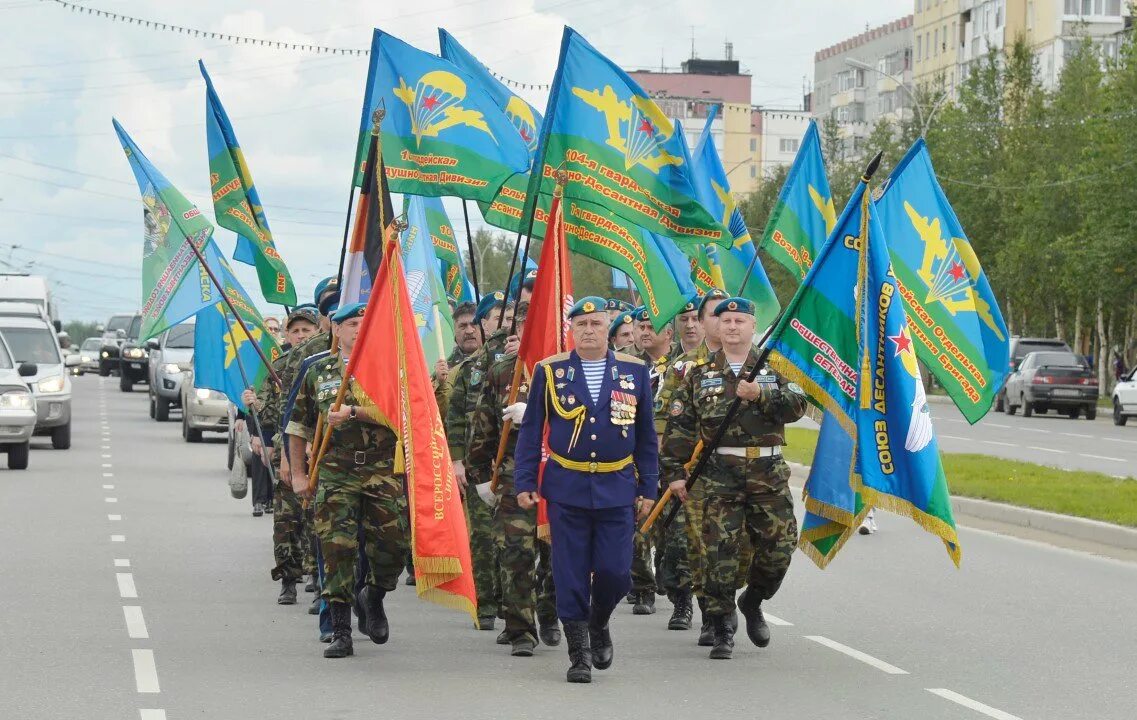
270 398
465 389
318 393
671 379
700 403
442 389
656 367
486 425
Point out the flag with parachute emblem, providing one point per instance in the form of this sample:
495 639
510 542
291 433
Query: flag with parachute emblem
955 319
620 150
428 299
389 365
442 135
174 285
224 358
237 205
739 263
804 214
844 338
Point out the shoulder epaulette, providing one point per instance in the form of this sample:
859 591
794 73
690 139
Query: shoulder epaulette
556 358
624 357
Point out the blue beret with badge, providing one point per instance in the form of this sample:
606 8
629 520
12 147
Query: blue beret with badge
639 314
329 303
691 305
349 311
322 286
488 302
735 304
713 294
624 318
587 305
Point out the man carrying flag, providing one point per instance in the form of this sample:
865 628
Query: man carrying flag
590 410
360 486
746 486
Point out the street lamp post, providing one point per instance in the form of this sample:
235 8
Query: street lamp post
925 118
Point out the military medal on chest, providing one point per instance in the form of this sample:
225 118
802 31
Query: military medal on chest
623 408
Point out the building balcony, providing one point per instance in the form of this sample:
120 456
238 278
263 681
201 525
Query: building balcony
847 97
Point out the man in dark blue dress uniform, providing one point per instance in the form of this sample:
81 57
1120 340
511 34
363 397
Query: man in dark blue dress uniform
603 465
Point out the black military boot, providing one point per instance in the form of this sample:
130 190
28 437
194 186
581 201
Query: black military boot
632 598
706 632
681 615
580 657
376 626
549 632
724 638
645 603
522 646
287 592
313 579
341 631
600 640
756 628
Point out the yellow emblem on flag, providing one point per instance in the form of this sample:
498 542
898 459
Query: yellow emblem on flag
435 105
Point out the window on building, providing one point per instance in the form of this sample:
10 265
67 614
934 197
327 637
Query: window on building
753 170
919 5
753 144
788 145
920 47
936 42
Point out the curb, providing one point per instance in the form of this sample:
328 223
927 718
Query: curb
1094 531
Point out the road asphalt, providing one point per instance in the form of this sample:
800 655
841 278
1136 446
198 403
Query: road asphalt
137 588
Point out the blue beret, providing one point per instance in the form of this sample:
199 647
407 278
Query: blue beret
621 305
488 302
530 278
735 304
330 303
322 286
712 294
612 304
586 305
349 311
624 318
692 304
639 314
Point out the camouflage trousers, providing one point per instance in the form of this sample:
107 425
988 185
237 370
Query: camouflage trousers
696 551
643 572
526 570
673 570
746 497
483 550
291 535
350 497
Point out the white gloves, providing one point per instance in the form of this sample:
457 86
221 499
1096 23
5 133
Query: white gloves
487 495
514 413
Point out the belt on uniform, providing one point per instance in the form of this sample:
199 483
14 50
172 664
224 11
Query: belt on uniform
593 466
750 453
360 457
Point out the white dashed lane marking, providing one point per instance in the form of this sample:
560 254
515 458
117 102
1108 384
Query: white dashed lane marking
1001 444
135 623
118 538
121 562
775 620
145 672
108 487
952 437
1103 457
114 518
857 655
152 714
126 587
1049 450
973 704
110 500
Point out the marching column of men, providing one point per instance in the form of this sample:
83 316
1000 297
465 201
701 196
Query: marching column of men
607 426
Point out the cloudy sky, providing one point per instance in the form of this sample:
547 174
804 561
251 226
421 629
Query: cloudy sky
69 207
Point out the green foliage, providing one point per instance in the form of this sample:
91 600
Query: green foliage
79 330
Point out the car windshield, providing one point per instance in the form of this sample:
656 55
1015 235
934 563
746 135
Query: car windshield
91 345
1052 359
35 345
135 327
119 322
180 336
1026 348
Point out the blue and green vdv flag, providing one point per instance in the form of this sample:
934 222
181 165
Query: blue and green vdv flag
237 205
451 266
740 263
174 284
224 357
442 134
844 337
620 151
804 215
424 285
955 319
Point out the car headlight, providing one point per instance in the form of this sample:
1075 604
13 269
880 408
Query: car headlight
105 354
203 394
51 384
84 358
16 399
134 353
171 368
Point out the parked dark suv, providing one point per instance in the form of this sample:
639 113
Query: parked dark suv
1020 348
1058 380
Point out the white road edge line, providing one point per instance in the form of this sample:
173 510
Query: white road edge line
1049 450
152 714
135 623
775 620
126 587
972 704
1103 457
145 672
857 655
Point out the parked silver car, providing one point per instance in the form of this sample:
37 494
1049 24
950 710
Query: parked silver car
31 339
17 409
171 354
